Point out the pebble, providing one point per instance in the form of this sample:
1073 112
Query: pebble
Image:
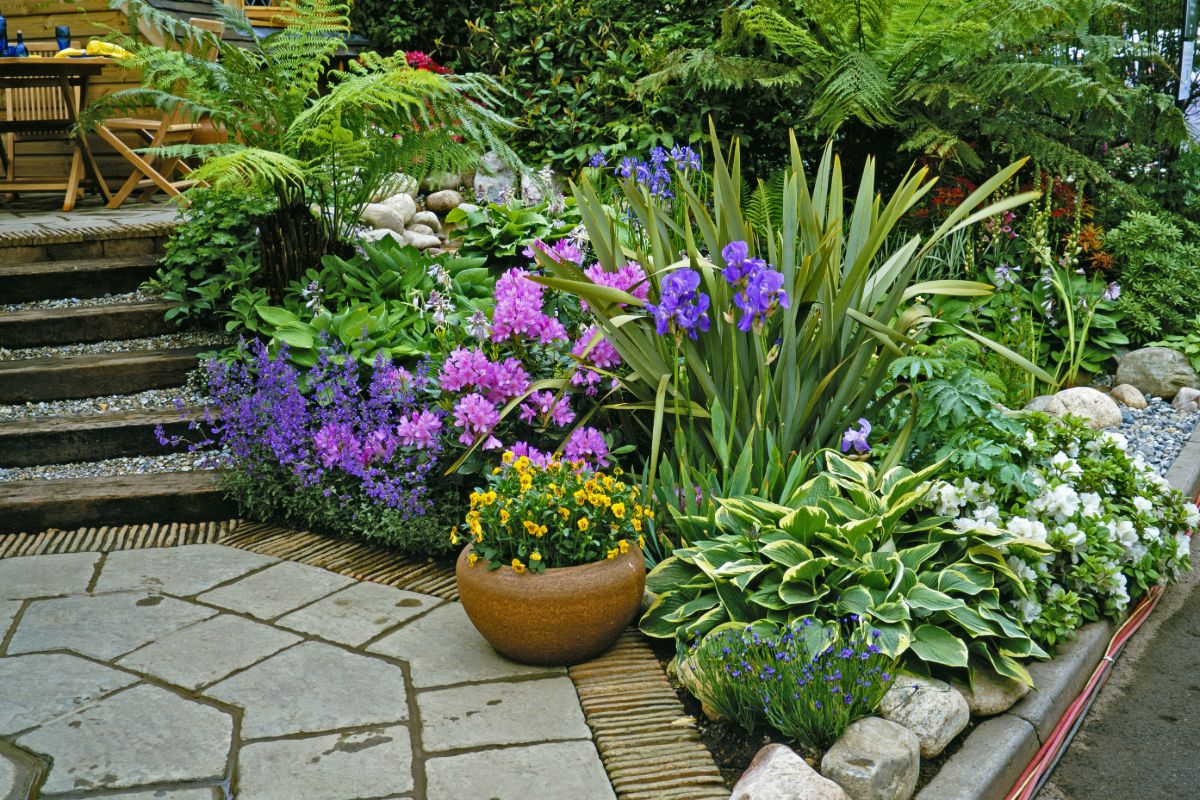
140 296
152 399
164 342
132 465
1158 432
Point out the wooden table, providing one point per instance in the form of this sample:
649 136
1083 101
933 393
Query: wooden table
65 74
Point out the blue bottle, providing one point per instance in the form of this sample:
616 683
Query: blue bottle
62 35
21 50
3 36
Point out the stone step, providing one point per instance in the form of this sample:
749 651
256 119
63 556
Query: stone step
77 502
87 437
73 377
37 327
90 277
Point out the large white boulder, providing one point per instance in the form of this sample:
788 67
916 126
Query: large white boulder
403 204
378 215
777 773
989 693
443 201
1128 395
1100 410
931 709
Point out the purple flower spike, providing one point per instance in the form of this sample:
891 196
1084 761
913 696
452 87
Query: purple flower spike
857 438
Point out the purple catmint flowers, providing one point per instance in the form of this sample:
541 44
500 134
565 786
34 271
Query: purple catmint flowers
682 308
857 438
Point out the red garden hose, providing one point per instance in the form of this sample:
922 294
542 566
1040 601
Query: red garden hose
1039 769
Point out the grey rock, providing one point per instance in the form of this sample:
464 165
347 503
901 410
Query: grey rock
277 590
1128 395
468 208
1039 403
1097 408
875 760
379 234
312 688
38 688
443 181
777 773
185 570
358 614
1060 680
1187 400
443 647
403 204
144 735
443 201
102 626
931 709
169 794
418 228
495 181
208 651
490 714
551 771
989 693
42 576
378 216
1157 371
427 218
421 241
372 763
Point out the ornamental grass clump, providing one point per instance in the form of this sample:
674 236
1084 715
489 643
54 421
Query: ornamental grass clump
545 512
809 681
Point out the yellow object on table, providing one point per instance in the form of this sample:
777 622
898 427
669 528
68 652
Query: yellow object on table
69 52
98 48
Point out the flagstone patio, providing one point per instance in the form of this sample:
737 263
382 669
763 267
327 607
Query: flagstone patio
207 672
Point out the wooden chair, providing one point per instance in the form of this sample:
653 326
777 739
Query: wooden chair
151 174
42 103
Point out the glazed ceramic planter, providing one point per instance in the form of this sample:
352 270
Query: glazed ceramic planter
562 616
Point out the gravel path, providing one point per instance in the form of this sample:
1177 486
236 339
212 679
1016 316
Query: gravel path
132 465
1158 432
143 401
165 342
140 296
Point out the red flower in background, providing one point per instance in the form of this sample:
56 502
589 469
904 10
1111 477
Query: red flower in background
418 60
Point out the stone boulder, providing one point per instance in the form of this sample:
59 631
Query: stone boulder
378 215
1039 403
427 218
1187 400
1097 408
1128 395
989 693
875 760
380 233
1157 371
443 201
931 709
421 241
424 230
495 181
403 205
777 773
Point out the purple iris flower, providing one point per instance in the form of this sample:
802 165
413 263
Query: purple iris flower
598 160
762 295
681 307
857 438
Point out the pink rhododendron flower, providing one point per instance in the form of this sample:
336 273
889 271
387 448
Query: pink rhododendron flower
476 416
629 278
419 430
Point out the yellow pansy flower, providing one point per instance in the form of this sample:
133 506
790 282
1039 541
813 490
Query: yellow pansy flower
641 541
583 523
453 537
495 470
504 516
471 559
535 556
565 513
618 510
517 566
636 523
612 553
507 457
623 545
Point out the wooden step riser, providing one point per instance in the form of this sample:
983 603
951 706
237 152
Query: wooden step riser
73 378
43 327
86 247
80 283
93 502
27 446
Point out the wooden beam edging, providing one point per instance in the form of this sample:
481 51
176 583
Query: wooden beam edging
648 744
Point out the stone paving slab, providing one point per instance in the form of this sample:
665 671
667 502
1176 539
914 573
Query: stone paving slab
558 771
140 736
186 570
357 615
276 590
346 765
208 651
35 689
443 647
285 714
8 612
104 626
41 576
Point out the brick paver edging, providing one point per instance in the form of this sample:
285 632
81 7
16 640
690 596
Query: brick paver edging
650 747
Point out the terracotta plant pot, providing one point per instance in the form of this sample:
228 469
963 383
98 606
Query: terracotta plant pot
562 616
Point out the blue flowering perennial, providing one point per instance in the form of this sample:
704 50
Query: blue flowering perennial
808 682
682 308
759 288
654 173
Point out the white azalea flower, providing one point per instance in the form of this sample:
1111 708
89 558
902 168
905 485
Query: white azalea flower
1125 533
946 499
1193 514
1028 529
1183 545
1029 609
1116 439
1030 440
1151 533
1075 537
1091 504
1066 465
1143 505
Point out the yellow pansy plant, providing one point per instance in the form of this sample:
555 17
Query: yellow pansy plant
532 516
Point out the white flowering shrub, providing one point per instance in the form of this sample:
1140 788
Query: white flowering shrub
1113 526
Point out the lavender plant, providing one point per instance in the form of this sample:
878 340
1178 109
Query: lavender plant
337 446
808 681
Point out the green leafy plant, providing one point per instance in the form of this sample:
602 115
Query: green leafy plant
746 402
851 541
1160 275
500 232
1186 343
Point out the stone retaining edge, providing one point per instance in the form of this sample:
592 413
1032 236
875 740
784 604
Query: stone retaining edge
996 753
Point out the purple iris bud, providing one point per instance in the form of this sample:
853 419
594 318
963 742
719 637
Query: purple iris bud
857 438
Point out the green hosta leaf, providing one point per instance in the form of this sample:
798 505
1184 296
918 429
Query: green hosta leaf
768 597
970 620
689 609
926 599
734 603
669 574
890 612
807 570
914 557
855 600
797 594
787 552
804 522
964 579
702 626
939 646
276 316
654 622
894 638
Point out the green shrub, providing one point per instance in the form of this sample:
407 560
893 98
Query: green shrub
1160 276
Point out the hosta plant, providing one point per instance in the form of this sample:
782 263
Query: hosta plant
853 542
